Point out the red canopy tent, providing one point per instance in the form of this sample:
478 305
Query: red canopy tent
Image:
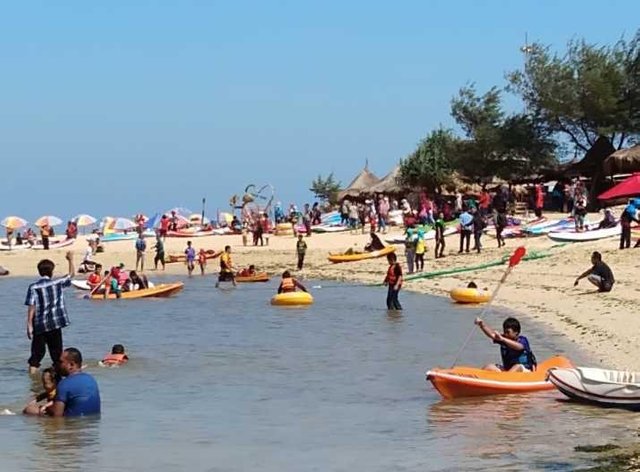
627 188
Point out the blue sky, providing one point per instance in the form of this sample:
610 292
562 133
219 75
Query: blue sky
126 106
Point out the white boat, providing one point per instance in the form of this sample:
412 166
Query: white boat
428 236
54 244
590 235
607 388
14 247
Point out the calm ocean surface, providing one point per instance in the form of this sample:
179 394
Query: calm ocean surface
221 381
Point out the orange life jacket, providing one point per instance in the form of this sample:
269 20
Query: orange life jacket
288 285
115 359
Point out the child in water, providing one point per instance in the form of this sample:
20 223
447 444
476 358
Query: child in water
117 357
49 383
514 349
202 260
289 284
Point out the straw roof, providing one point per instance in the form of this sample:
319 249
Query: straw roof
591 164
389 183
624 161
361 184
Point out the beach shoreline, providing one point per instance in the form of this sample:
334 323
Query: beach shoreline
601 324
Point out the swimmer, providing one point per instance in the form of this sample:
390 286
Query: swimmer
117 357
49 383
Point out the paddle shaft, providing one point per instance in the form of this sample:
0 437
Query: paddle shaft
484 310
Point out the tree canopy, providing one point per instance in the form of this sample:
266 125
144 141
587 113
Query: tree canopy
586 92
326 188
430 166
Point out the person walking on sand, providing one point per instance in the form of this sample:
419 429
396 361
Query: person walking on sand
45 232
628 215
393 281
47 313
159 247
141 247
439 228
190 254
466 228
599 274
301 249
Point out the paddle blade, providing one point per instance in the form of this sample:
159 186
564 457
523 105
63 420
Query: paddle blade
517 255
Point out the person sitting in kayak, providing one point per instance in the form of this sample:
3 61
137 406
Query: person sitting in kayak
514 349
248 271
374 243
117 357
226 268
136 282
111 285
289 284
49 383
95 277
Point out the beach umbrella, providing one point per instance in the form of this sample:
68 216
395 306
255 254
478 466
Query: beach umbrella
48 220
225 217
153 222
84 220
196 219
13 222
627 188
123 224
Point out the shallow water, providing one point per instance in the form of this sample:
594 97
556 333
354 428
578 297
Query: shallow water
221 381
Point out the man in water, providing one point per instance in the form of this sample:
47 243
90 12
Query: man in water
599 274
47 313
394 281
77 394
226 267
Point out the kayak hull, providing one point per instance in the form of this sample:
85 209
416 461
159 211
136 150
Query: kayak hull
591 235
462 382
600 387
189 234
211 254
470 295
338 258
259 277
292 299
161 290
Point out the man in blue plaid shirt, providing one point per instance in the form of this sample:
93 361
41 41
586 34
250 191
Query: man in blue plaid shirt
46 313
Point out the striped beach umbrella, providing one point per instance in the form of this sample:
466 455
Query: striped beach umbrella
13 222
84 220
48 220
123 224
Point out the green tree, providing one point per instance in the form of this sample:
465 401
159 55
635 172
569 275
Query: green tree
430 166
326 189
497 145
586 92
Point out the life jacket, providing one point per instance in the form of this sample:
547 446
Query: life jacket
391 275
288 284
225 262
115 359
421 247
94 279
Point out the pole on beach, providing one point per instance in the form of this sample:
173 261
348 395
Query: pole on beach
202 217
514 260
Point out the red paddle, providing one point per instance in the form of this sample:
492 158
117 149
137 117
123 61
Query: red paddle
514 260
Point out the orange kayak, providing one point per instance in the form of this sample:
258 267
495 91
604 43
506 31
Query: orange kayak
211 254
473 382
162 290
258 277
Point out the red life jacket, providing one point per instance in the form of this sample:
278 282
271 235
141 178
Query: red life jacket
392 279
115 359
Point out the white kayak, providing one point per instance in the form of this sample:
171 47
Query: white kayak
20 247
329 228
607 388
429 235
54 244
590 235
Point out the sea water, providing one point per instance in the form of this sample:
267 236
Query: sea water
220 380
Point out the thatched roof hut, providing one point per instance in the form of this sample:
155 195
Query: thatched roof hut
361 184
591 164
389 183
624 161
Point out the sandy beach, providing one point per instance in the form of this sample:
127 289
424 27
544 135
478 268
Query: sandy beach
603 324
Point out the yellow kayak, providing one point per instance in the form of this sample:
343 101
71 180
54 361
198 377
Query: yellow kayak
162 290
470 295
292 299
336 258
